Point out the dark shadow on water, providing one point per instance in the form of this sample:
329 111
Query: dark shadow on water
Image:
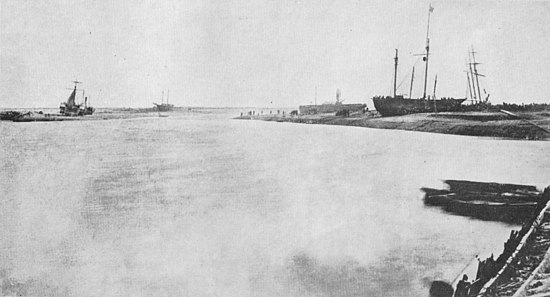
348 278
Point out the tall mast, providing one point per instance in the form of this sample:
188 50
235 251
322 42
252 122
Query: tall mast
162 98
435 102
412 80
435 85
167 96
427 51
477 74
472 76
469 86
395 76
315 95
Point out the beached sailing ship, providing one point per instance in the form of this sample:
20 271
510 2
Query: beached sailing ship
399 105
164 106
70 108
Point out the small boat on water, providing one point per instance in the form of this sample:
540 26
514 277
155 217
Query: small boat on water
506 211
471 186
487 201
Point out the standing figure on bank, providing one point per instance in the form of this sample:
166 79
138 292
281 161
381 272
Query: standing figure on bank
463 287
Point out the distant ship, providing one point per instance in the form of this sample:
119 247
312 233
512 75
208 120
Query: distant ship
164 106
399 105
336 107
70 108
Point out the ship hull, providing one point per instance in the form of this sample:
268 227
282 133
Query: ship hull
396 106
164 107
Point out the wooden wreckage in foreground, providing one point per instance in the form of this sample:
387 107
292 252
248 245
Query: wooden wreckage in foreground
523 268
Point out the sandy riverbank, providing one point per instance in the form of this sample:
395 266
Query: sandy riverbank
463 123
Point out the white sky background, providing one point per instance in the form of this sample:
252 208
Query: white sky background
252 53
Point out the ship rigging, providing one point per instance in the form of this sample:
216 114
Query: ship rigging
398 105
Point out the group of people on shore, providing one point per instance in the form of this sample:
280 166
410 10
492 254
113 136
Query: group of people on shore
253 113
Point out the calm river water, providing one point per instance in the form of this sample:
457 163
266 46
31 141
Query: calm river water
202 205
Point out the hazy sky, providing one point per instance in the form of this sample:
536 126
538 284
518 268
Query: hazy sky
265 53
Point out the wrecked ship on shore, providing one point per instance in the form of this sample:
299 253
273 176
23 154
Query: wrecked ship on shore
70 108
164 106
399 105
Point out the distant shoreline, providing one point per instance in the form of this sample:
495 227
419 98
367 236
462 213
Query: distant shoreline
486 124
44 115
